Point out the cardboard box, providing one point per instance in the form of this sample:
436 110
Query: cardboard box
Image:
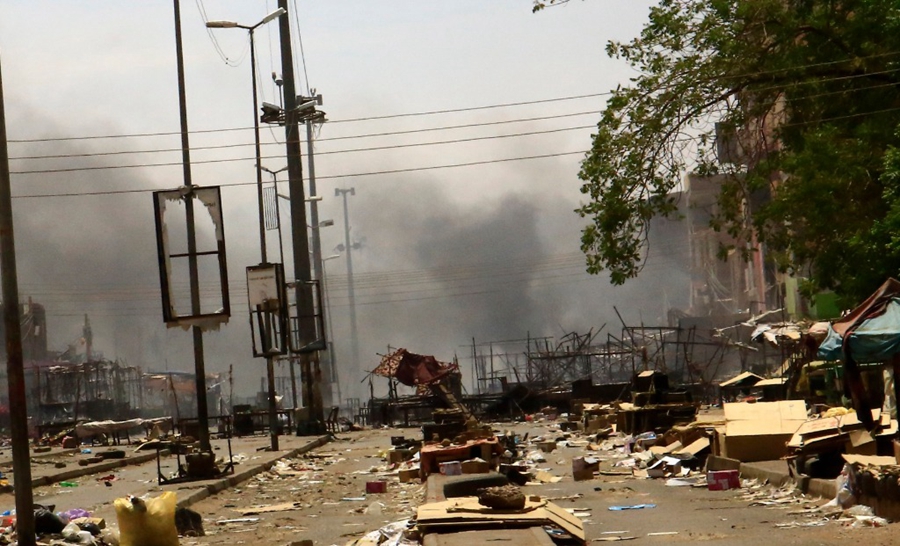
761 431
583 468
721 480
667 466
547 447
475 466
597 422
409 474
399 455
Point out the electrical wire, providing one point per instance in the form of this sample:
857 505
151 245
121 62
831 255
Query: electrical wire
300 43
207 131
456 110
349 175
350 150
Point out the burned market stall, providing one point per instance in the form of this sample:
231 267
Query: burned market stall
438 391
63 393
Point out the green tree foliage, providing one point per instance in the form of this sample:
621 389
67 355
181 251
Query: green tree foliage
810 89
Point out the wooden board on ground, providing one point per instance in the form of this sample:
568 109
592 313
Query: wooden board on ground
284 507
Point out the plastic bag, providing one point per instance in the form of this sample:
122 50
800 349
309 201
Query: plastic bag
845 483
147 522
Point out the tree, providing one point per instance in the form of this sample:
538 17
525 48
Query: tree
809 91
542 4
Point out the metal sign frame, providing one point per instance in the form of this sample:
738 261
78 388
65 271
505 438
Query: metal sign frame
268 306
210 197
320 343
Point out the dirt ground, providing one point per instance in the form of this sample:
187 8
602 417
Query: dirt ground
328 487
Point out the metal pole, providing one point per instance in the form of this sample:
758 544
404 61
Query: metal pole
354 341
293 381
270 365
14 365
316 241
259 182
331 360
280 253
299 234
313 205
199 365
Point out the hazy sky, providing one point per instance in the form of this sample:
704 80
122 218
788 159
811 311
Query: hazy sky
488 251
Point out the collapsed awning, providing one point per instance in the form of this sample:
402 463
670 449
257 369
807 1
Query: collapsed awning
412 369
870 333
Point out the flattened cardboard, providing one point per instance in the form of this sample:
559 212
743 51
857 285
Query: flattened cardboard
694 449
860 437
870 460
665 450
466 510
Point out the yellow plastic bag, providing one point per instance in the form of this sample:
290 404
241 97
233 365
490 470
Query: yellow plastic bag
149 522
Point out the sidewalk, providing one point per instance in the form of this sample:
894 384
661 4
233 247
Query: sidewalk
775 473
136 474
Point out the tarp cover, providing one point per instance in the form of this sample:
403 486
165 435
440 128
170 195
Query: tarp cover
874 329
869 333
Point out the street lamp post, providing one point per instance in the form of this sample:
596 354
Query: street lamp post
354 341
331 360
270 366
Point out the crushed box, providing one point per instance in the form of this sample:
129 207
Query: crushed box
720 480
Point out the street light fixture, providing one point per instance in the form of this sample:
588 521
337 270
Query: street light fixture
231 24
270 367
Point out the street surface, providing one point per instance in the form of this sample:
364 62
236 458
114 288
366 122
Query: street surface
326 492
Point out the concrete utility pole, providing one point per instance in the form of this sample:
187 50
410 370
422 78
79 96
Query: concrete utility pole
199 365
309 368
18 413
348 248
317 117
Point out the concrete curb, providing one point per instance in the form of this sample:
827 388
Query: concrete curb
220 485
811 486
98 468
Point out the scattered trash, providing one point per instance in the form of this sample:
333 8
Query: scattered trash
188 522
265 509
376 509
696 481
845 497
46 522
236 520
631 507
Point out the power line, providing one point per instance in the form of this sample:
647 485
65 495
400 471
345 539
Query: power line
330 152
331 122
348 175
